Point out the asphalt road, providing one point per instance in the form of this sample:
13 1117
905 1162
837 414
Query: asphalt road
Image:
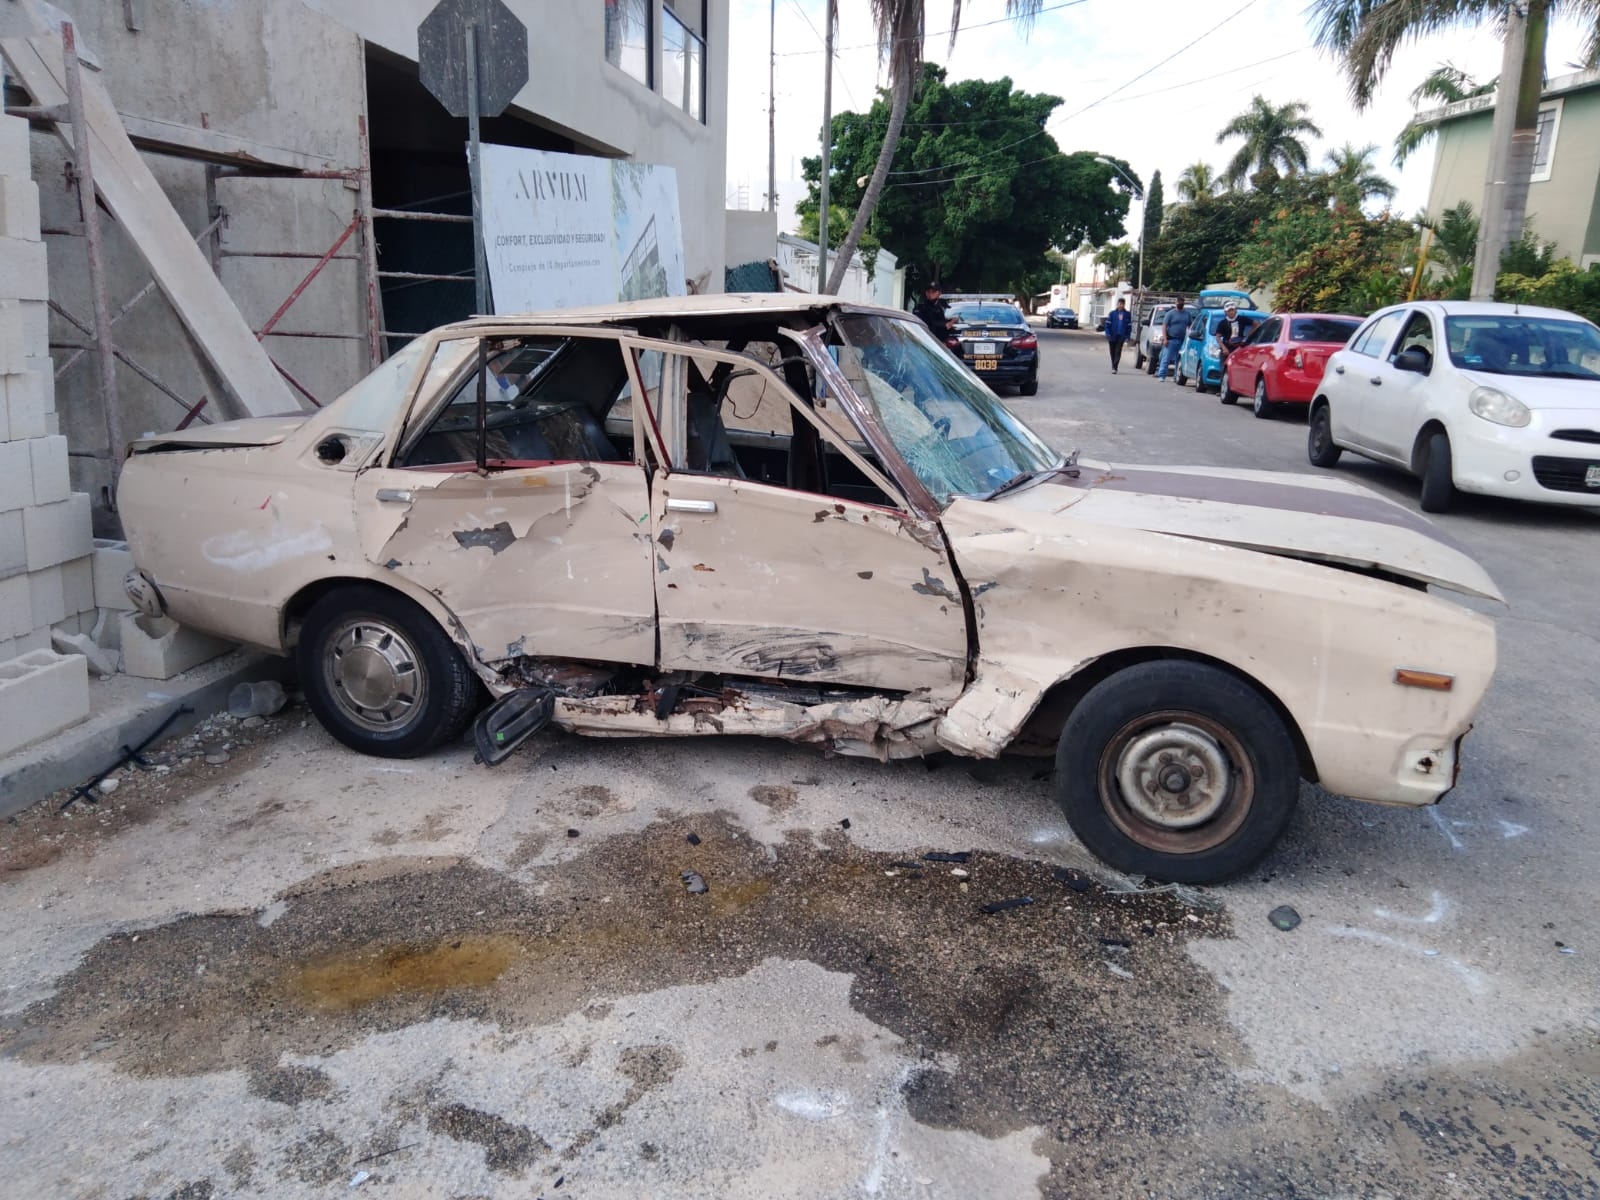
300 972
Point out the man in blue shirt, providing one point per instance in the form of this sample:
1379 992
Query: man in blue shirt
1118 324
1175 327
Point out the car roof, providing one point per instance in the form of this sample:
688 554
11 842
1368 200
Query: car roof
715 304
1486 308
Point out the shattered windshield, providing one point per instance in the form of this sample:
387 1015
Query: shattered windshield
955 436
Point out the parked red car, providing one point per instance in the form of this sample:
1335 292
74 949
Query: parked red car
1282 361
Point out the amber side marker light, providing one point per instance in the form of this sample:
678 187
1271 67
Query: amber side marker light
1406 677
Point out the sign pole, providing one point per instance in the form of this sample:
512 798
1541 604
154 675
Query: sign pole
480 267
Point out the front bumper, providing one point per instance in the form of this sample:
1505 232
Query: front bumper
1524 464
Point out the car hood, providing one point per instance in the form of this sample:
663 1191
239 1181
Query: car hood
1312 518
251 431
1552 394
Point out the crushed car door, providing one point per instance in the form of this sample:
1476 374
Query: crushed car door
780 551
516 496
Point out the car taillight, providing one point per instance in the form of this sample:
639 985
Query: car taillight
1027 341
1299 361
953 343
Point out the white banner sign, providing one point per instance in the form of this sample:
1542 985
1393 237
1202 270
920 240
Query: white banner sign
563 230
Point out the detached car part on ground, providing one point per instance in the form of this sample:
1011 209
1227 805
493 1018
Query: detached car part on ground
1495 399
799 518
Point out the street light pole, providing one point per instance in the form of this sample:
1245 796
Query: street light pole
1138 190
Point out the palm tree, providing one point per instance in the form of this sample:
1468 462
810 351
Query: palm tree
1445 84
1351 174
901 25
1198 179
1366 33
1271 139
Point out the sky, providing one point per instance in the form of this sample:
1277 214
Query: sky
1150 81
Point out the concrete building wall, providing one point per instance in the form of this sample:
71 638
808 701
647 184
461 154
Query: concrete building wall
752 236
1562 208
293 74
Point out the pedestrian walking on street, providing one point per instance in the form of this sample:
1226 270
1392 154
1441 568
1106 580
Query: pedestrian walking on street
1118 325
1175 328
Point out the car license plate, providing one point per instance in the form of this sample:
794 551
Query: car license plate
983 349
1591 477
993 364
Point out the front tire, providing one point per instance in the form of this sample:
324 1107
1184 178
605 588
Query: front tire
1438 481
1263 408
1321 449
1178 771
380 674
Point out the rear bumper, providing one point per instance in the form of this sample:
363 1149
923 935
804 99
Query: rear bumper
1008 370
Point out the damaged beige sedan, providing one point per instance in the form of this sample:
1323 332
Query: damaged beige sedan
797 518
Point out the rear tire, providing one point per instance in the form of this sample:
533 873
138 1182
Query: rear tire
1320 446
1263 408
380 674
1150 363
1225 393
1177 770
1030 388
1438 482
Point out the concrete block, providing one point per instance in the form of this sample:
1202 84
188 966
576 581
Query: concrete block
41 693
27 400
48 601
112 562
16 476
52 482
77 585
52 424
24 274
159 648
13 545
14 348
19 208
36 327
103 663
16 608
45 368
58 533
15 155
105 627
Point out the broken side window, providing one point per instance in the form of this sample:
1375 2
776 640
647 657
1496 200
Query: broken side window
546 399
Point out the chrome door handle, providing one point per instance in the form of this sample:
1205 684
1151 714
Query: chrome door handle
1338 370
691 506
394 495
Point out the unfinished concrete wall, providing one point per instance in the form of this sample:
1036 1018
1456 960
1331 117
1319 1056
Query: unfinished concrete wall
269 71
574 91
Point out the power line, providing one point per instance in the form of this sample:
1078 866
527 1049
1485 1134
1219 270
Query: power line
942 32
1149 70
986 154
1260 62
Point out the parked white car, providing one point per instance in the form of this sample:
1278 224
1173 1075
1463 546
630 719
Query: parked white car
1497 399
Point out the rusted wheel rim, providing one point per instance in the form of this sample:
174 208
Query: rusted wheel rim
1176 782
373 671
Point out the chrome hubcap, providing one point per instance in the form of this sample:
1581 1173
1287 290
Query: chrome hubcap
373 671
1175 776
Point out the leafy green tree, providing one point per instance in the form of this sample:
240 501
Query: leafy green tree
1445 84
1352 176
1272 140
900 25
1118 259
1563 286
1318 259
979 189
1200 238
1198 179
1154 210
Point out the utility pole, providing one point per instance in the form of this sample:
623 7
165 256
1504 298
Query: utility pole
772 109
827 145
1513 139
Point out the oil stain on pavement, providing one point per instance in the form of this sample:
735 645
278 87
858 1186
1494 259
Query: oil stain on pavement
1079 1015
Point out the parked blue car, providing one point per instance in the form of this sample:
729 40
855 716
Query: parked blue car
1200 359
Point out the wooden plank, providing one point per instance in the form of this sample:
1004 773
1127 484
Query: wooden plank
134 197
208 145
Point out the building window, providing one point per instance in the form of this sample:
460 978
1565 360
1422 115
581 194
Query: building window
1544 150
683 55
628 37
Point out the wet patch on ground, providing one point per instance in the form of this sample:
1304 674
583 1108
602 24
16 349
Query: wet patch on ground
1080 1014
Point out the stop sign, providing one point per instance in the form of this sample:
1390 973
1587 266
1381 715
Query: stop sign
502 54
